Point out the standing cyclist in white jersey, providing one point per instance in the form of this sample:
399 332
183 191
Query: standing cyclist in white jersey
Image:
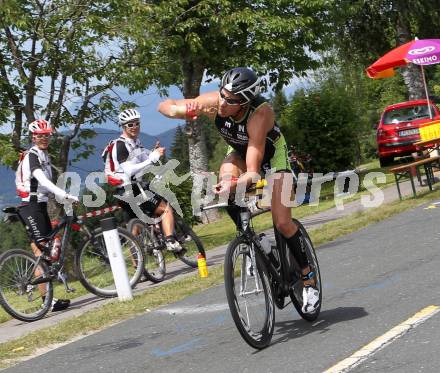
125 158
247 123
34 183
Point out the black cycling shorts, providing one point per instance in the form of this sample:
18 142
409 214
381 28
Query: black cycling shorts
36 218
148 207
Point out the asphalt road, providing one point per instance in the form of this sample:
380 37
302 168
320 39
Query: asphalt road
374 279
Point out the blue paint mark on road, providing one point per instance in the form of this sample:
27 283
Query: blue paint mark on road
193 343
379 284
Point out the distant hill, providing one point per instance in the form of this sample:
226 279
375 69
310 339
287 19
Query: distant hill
83 166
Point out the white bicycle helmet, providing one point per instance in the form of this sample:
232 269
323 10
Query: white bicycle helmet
40 126
243 82
128 115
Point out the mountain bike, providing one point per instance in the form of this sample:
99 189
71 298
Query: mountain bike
26 281
256 281
152 239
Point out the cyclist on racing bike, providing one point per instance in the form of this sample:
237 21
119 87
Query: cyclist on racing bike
247 123
34 183
127 158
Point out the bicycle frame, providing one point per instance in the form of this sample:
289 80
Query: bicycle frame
69 223
281 275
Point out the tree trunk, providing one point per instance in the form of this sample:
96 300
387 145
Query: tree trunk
197 151
198 158
18 126
412 74
413 79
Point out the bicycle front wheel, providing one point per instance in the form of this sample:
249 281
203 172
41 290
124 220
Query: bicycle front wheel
93 265
189 241
18 297
154 268
249 293
297 289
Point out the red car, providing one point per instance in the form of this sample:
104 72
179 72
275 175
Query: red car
398 129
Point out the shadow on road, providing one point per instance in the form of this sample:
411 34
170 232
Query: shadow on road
292 329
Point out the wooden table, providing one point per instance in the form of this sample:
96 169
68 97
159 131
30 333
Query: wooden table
407 171
430 145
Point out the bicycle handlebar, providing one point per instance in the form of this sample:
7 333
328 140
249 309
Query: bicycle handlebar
217 205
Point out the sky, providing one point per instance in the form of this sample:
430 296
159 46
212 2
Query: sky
154 123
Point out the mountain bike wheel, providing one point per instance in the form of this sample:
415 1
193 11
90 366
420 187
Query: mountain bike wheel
93 266
249 293
155 268
18 297
189 241
296 290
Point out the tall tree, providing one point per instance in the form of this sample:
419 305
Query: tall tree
187 40
58 60
279 102
365 30
320 123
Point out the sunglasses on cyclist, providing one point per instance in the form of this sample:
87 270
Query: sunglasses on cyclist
132 124
230 101
42 135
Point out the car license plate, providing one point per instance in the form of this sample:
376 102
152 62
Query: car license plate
414 131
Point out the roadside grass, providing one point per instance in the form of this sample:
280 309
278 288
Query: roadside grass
113 312
332 230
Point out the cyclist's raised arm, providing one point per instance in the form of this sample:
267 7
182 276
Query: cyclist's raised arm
130 166
206 104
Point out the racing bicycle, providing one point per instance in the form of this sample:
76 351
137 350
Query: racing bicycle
256 281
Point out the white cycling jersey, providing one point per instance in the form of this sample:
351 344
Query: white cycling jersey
35 177
129 158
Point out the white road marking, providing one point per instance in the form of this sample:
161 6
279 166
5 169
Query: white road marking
384 340
194 309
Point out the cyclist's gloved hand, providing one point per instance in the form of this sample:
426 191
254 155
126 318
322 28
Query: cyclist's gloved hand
156 154
71 198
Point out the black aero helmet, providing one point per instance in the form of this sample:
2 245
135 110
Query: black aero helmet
243 82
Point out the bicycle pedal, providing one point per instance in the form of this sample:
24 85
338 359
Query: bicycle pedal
70 290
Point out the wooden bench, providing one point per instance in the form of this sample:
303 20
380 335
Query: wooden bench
408 171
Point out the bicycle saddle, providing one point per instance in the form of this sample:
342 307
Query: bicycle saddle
10 210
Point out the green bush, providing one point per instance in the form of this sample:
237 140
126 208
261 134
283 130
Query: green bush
322 122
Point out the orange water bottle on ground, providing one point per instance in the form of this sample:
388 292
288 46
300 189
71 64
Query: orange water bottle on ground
201 263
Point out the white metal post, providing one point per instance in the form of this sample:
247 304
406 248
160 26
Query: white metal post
117 262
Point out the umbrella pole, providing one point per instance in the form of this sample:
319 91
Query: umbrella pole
426 91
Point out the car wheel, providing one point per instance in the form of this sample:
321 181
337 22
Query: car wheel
386 161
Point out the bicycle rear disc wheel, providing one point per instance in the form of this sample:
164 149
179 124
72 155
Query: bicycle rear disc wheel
297 289
249 293
154 267
93 265
189 241
18 297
